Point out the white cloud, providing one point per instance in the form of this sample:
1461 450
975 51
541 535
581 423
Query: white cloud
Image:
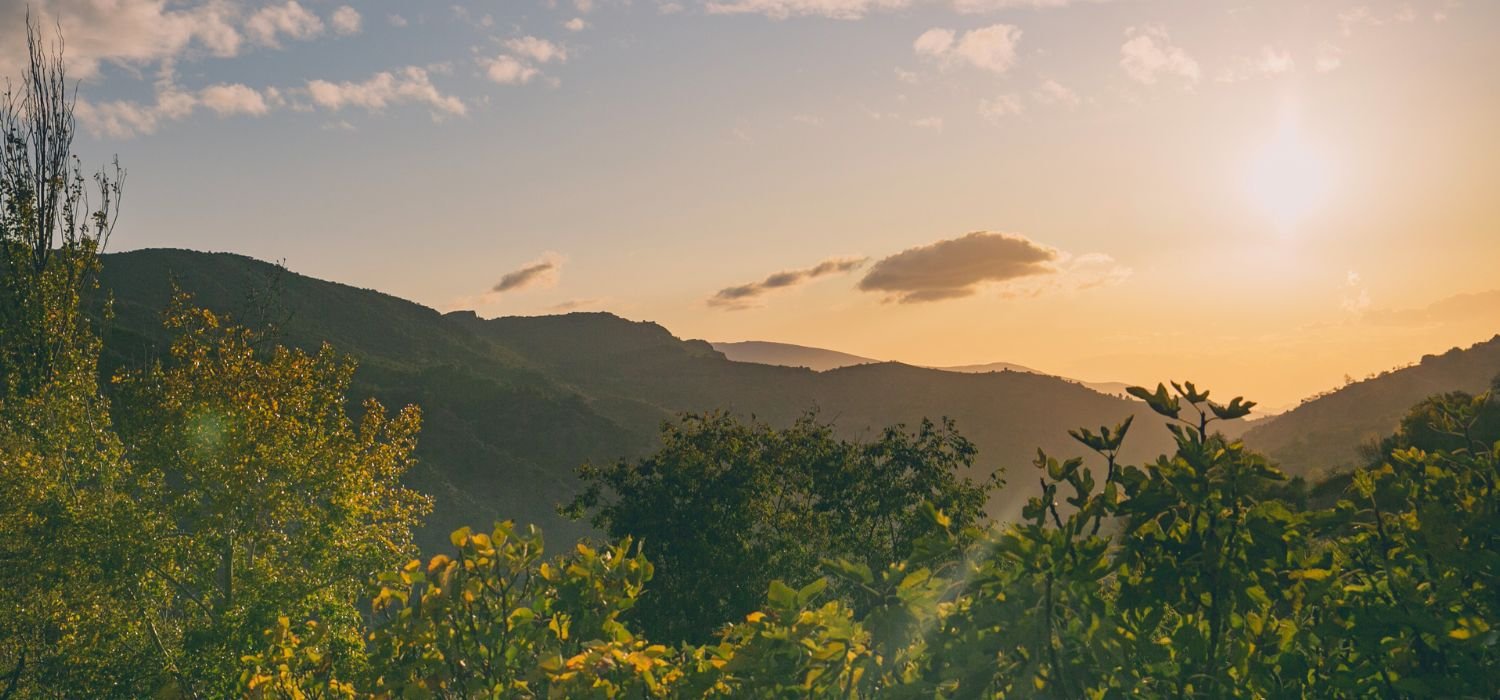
135 32
519 65
410 85
396 21
1148 54
856 9
575 25
934 43
126 118
226 100
267 24
1362 16
1330 57
932 123
1052 92
1269 62
509 70
345 21
782 9
991 48
537 50
1000 107
975 7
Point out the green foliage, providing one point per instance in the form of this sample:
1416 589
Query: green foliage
725 507
1183 577
278 503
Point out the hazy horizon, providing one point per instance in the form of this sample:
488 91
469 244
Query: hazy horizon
1263 198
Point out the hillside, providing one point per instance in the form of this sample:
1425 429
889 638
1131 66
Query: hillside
512 405
1325 433
789 355
821 360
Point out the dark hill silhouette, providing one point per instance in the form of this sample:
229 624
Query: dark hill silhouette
1324 434
513 405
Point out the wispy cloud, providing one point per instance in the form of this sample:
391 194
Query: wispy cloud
1269 61
1148 55
856 9
747 295
410 85
1353 18
998 108
522 61
267 25
540 273
991 48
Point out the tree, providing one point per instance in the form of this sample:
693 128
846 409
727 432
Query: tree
278 502
725 506
68 518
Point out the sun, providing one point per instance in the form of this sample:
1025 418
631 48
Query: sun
1288 179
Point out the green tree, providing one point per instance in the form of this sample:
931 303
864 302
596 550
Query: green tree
725 506
278 502
69 522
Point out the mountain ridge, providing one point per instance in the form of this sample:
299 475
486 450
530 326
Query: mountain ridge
513 405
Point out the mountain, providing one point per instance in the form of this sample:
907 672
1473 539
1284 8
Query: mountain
821 360
1323 434
511 406
788 355
989 367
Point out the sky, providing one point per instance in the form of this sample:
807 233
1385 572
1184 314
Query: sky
1267 198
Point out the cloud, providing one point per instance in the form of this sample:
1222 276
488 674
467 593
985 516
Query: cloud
1330 57
345 20
997 109
1477 308
126 118
266 25
537 50
1148 54
744 296
977 7
576 304
228 100
1362 16
933 123
991 48
396 21
1052 92
856 9
782 9
1268 62
1356 297
519 65
575 25
541 273
509 70
124 31
410 85
960 267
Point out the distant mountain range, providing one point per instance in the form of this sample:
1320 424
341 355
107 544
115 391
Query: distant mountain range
1323 434
511 406
821 360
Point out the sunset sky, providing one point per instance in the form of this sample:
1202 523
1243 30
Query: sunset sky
1259 196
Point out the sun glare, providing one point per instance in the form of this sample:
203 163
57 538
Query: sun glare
1288 179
